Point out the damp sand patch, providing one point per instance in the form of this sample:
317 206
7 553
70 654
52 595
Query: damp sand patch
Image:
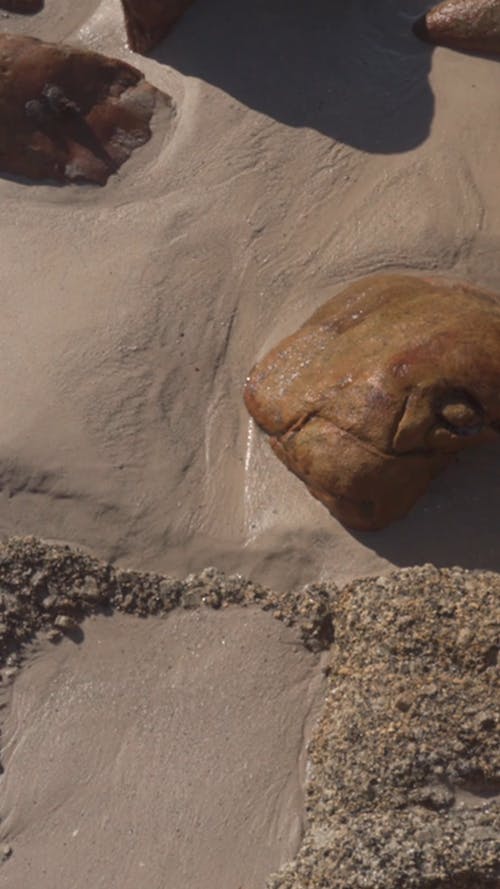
161 753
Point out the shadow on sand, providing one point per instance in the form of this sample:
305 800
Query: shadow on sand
454 523
350 69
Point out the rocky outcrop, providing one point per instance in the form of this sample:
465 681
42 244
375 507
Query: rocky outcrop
68 114
404 766
379 389
148 21
23 6
472 25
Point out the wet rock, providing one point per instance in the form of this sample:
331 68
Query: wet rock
148 21
472 25
68 114
375 394
26 7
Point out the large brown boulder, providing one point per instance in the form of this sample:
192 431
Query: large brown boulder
463 24
379 389
69 114
148 21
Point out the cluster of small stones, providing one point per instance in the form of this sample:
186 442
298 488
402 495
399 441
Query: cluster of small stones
404 770
51 589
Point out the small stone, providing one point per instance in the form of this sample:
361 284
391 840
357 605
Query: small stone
5 851
65 623
49 602
485 722
191 598
9 673
90 591
128 602
403 703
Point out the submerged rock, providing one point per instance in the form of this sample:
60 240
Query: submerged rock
463 24
375 394
403 782
148 21
69 114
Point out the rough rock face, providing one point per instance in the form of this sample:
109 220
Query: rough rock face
404 770
379 389
22 6
463 24
148 21
68 114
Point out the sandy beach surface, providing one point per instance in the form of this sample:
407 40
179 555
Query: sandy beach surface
311 144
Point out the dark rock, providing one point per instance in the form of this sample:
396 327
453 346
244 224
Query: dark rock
26 7
148 21
375 394
471 25
69 114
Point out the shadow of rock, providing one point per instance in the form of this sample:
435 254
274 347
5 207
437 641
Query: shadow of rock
23 7
352 70
455 523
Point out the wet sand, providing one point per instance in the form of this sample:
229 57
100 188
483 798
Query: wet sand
160 752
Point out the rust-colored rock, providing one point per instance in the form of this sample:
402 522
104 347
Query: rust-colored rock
26 7
471 25
148 21
69 114
376 392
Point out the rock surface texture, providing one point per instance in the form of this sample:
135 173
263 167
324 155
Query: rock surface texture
463 24
375 394
68 114
404 772
148 21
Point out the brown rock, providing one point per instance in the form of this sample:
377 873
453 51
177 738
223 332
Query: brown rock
463 24
378 390
148 21
23 6
69 114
